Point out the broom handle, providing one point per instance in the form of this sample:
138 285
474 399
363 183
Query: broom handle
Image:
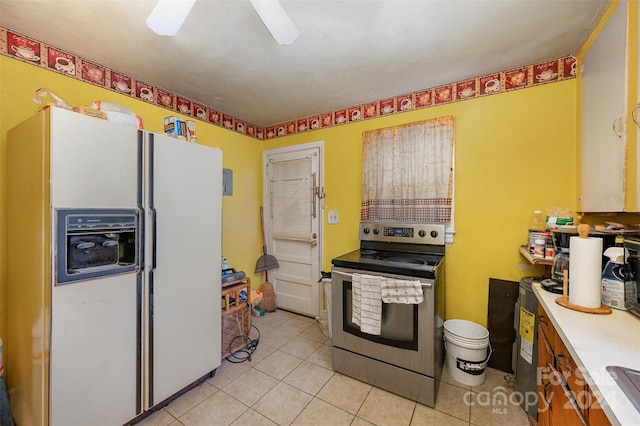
264 242
264 238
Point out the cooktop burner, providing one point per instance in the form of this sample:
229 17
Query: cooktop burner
414 250
406 260
400 263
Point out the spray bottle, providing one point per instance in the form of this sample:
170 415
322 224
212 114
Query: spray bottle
613 279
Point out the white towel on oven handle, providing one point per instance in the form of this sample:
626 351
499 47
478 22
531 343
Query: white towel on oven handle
401 291
366 292
355 299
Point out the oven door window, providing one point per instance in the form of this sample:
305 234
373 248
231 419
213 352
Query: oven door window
399 325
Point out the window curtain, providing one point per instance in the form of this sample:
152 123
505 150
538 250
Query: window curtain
408 172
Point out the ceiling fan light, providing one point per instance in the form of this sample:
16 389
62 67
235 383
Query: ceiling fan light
276 20
167 16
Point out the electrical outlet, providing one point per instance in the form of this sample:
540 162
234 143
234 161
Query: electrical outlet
333 217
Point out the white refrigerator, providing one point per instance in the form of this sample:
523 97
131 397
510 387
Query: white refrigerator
114 260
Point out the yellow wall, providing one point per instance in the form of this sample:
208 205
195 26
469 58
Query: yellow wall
515 153
240 218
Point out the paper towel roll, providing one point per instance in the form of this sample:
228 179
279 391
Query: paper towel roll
585 271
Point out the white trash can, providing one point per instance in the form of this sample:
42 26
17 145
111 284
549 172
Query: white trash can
466 345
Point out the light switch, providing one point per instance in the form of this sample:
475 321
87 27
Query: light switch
333 216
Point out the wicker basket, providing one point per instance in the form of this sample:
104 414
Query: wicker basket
234 324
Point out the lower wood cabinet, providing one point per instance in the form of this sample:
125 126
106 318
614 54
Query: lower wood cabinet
596 414
545 375
564 397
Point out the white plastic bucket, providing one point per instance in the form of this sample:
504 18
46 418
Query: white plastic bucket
466 345
466 330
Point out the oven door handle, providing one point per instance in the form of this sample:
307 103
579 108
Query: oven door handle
427 284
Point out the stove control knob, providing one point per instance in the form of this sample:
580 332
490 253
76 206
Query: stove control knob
422 232
434 234
365 230
376 231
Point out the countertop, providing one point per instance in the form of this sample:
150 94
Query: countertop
596 341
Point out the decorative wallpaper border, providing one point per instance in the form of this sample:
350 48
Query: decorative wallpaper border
28 50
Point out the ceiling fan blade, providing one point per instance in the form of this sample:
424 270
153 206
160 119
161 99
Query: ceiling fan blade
276 20
167 16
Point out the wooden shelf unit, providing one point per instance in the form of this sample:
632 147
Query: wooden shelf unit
524 251
231 290
236 316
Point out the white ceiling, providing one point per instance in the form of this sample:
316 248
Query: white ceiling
349 52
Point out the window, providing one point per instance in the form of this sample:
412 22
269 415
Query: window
292 185
408 173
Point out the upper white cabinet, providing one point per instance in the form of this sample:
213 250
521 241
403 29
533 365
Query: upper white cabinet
636 111
603 120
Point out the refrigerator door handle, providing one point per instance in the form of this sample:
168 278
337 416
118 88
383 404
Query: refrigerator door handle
141 239
154 252
139 202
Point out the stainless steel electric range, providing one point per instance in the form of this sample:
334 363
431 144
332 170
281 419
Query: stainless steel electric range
407 356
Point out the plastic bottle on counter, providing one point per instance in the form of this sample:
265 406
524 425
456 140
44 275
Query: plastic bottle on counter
225 266
537 222
536 228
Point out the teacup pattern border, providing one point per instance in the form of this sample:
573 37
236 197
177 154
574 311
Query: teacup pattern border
545 72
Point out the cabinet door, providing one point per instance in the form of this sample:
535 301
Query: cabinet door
572 375
545 367
597 415
603 117
564 411
636 110
545 371
545 323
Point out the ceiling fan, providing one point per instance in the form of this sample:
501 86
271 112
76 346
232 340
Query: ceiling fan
167 17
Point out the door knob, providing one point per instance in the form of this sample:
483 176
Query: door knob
314 243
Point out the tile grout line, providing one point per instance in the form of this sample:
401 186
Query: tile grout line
282 381
278 352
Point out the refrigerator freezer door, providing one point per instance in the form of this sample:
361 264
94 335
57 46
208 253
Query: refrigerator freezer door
183 263
95 333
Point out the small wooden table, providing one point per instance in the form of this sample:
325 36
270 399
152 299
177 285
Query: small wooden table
236 316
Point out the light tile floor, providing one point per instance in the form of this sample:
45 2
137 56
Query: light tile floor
289 381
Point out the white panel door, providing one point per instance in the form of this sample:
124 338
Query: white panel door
293 178
185 198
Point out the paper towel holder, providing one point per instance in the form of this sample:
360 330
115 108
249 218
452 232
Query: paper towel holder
583 232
